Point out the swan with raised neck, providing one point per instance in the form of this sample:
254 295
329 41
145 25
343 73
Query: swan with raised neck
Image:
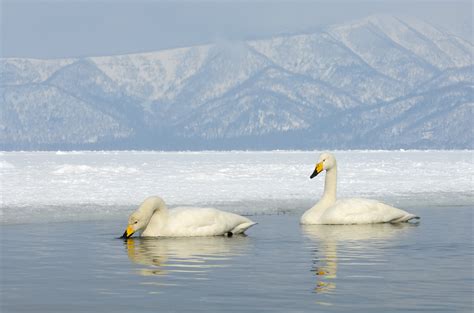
329 210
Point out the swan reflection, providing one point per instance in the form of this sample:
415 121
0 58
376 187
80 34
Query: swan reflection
188 255
354 242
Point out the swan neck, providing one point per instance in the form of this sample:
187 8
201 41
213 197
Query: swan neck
330 185
158 208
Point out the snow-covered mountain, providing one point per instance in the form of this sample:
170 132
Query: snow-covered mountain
380 82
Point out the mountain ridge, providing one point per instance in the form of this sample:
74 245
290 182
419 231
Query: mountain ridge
309 88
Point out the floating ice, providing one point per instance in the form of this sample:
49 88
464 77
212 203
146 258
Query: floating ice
45 186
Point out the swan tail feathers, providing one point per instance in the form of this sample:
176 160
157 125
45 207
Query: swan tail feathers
241 228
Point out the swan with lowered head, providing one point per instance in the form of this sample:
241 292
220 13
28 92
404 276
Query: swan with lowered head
347 211
155 220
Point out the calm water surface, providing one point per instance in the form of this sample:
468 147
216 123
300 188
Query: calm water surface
279 267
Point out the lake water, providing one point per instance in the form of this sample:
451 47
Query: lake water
279 267
59 251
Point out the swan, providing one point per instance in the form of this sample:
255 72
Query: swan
155 220
347 211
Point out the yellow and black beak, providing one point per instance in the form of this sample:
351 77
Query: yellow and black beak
128 232
317 170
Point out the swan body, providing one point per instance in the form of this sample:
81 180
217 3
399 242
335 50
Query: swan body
328 210
154 219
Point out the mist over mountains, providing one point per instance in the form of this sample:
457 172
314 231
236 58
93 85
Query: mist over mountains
381 83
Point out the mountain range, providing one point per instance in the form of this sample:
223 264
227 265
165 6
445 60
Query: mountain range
382 82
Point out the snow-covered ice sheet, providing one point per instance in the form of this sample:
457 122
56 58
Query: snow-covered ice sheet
45 186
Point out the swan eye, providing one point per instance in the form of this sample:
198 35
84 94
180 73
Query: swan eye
135 222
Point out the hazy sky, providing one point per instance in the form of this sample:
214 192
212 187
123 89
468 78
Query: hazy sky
60 28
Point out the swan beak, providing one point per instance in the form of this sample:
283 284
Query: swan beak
317 170
128 232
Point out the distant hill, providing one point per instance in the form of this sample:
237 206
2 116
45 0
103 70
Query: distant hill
380 82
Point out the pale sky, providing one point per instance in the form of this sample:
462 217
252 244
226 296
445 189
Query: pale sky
61 28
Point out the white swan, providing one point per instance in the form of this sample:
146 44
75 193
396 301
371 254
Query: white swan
155 220
347 211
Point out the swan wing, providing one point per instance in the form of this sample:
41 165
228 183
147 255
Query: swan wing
190 221
363 211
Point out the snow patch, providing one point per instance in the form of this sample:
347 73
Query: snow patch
6 165
81 169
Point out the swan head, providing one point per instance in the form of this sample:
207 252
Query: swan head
136 222
139 219
326 162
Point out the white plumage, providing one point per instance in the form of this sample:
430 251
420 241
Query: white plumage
328 210
155 220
